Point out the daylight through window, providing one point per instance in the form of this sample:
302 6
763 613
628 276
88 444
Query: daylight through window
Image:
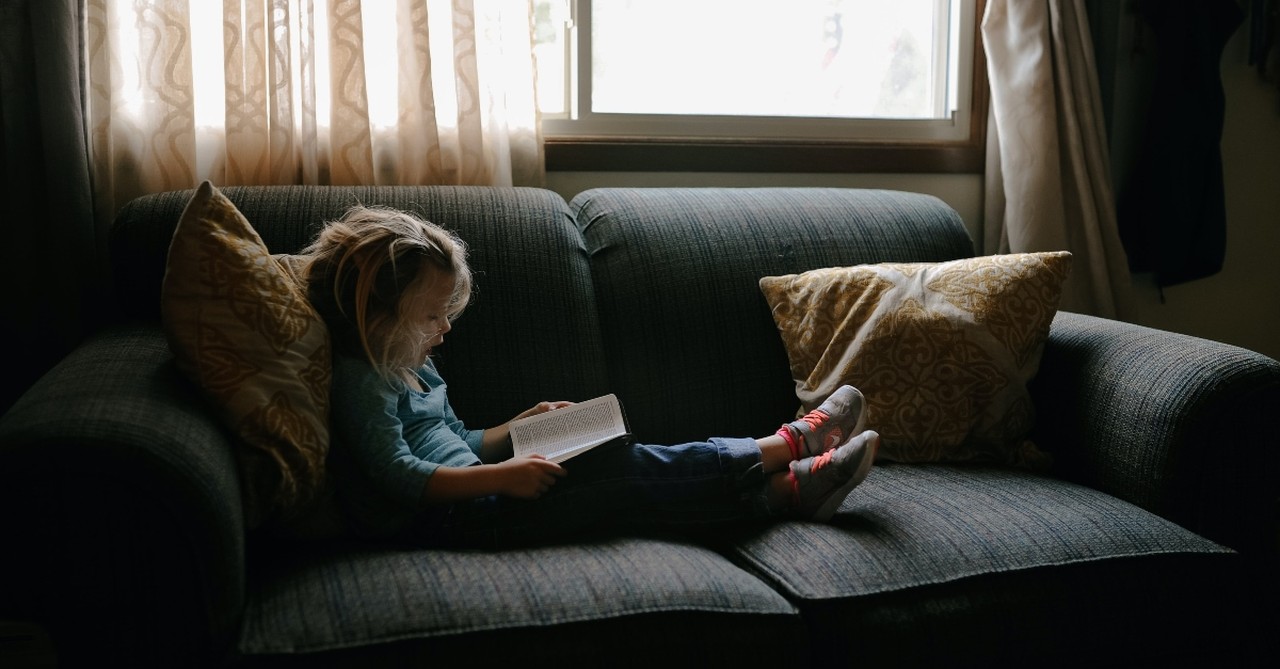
815 69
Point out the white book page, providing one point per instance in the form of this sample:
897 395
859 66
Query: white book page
561 434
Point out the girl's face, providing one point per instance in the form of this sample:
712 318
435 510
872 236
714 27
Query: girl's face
425 309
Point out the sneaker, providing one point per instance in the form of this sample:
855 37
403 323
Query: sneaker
843 415
821 482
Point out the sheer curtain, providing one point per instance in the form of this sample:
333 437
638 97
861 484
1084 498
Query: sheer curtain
1048 184
309 92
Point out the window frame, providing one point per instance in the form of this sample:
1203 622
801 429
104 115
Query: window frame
637 153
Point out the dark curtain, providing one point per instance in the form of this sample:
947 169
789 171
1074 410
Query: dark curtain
53 252
1171 206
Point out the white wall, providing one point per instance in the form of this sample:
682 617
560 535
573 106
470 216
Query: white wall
1240 305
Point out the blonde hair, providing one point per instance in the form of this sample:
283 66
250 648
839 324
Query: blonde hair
358 270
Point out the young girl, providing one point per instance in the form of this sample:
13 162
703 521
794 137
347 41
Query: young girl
389 286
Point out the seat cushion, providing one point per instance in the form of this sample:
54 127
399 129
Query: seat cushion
946 552
410 600
908 526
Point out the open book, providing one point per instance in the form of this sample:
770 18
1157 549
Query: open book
561 434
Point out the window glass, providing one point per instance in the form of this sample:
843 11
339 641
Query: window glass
755 68
849 59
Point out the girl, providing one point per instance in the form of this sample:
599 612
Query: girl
389 286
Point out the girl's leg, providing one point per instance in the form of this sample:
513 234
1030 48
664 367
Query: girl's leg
825 454
775 453
837 420
691 486
700 484
842 416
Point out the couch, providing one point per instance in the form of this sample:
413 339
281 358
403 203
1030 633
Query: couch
1152 536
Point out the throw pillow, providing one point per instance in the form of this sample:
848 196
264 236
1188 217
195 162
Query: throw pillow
942 351
242 329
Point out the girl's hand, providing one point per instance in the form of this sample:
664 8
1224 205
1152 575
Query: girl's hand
542 407
529 477
496 443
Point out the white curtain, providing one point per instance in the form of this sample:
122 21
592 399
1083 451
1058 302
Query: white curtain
309 92
1048 184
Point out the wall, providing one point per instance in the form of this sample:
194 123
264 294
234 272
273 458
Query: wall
1240 305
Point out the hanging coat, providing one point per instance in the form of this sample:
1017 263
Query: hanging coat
1172 213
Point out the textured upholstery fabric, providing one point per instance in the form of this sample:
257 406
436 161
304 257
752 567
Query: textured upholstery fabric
349 597
941 351
241 328
121 453
1167 610
677 277
908 526
923 565
1181 426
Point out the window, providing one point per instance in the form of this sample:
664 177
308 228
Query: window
761 85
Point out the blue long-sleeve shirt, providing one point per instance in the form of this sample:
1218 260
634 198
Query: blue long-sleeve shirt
394 437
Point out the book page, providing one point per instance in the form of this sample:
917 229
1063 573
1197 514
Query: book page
561 434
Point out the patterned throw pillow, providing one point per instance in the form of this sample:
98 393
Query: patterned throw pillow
942 351
241 328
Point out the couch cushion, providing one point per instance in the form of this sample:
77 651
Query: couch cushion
326 600
908 526
944 553
693 350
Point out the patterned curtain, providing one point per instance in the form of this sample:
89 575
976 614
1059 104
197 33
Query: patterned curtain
309 92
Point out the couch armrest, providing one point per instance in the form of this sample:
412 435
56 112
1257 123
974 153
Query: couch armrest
1184 427
123 494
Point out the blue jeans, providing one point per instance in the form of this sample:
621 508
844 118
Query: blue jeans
697 485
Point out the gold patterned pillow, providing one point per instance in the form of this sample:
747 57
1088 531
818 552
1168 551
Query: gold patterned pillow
241 328
942 351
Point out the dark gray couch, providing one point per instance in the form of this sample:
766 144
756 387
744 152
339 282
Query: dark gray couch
1154 537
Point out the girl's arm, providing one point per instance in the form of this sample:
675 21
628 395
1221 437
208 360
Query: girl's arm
526 478
495 445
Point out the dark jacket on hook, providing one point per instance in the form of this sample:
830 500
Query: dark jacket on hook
1172 214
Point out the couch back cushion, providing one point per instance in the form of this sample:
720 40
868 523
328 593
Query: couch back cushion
531 331
693 350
